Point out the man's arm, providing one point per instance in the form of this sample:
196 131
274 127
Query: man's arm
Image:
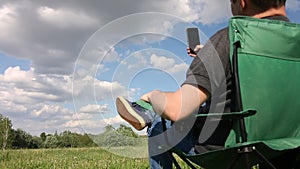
179 104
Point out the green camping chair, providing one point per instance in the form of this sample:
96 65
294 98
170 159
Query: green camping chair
266 65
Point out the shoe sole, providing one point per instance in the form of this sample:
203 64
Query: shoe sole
128 113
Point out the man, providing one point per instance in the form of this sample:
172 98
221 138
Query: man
205 83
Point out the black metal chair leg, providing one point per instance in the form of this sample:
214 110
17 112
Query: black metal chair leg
232 163
265 161
247 161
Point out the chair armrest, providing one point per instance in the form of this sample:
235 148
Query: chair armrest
228 116
224 116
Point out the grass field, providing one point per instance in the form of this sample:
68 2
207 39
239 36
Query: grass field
72 158
67 158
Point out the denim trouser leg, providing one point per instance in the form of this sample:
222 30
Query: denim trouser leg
162 159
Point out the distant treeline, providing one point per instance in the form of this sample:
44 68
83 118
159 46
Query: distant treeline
20 139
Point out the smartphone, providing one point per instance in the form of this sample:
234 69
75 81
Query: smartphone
193 38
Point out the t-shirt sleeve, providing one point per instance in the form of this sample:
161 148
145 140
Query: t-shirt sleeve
207 70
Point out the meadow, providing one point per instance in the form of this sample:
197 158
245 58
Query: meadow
69 158
65 158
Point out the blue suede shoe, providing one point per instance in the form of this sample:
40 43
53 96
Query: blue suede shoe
139 114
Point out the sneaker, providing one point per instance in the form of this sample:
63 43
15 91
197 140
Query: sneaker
136 114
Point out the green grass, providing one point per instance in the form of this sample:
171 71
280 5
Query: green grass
67 158
72 158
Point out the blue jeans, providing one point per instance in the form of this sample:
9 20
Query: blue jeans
160 158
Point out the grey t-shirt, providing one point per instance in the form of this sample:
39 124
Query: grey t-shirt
211 71
215 50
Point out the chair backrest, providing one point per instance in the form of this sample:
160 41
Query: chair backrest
268 56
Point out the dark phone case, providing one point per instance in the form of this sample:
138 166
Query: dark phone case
193 37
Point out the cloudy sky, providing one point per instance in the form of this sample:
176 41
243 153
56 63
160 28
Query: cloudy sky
63 62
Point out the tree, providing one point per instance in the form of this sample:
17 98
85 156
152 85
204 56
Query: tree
122 136
10 138
109 128
5 132
68 139
86 141
43 136
126 131
23 139
51 141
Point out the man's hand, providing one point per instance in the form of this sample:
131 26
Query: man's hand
193 53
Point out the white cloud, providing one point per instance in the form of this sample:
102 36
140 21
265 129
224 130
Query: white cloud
7 18
178 68
202 11
15 75
92 109
115 121
161 62
29 87
210 12
77 123
185 10
168 64
108 55
93 126
40 117
90 89
7 13
49 111
65 18
35 98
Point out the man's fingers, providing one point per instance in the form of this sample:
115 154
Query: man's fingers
198 48
191 53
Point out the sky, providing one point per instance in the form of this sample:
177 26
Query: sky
63 62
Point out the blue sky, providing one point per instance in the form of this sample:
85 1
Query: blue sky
62 63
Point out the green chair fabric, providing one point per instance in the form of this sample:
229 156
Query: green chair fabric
269 77
269 74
